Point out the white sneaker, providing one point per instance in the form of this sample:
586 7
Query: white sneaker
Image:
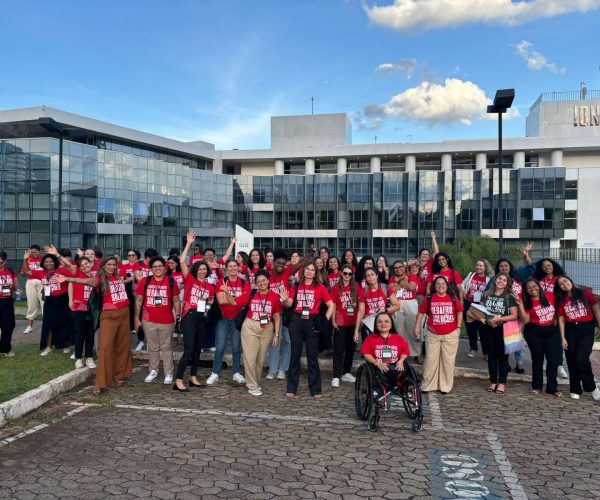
596 394
152 376
574 396
133 332
140 346
335 382
9 354
212 379
255 392
72 356
67 350
29 329
271 376
471 354
79 363
168 379
46 351
90 363
562 373
213 349
239 378
348 377
280 375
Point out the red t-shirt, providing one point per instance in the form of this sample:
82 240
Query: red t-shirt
116 298
282 280
50 289
517 289
333 279
158 301
539 315
128 269
577 312
548 285
95 267
343 303
448 274
178 277
81 293
194 291
195 258
373 301
426 269
264 305
35 266
477 286
145 270
8 281
375 343
403 293
240 290
309 296
441 316
215 273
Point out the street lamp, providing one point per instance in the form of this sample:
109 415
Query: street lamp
502 102
53 126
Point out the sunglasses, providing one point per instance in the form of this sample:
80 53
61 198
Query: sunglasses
347 274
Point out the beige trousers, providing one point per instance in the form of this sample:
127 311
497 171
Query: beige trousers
159 338
256 341
438 368
404 321
33 292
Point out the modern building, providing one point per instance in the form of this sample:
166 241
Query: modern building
125 188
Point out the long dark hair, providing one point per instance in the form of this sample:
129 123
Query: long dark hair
527 303
354 259
261 259
381 313
352 283
175 259
435 266
510 265
539 273
360 269
104 278
577 295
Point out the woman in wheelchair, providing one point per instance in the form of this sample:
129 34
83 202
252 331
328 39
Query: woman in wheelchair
385 351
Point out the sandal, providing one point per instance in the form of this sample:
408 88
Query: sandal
500 391
289 395
558 394
535 392
120 383
317 397
492 388
97 391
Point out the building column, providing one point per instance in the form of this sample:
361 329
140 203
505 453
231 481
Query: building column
556 158
279 167
480 161
342 166
410 163
309 166
446 161
217 166
519 159
375 164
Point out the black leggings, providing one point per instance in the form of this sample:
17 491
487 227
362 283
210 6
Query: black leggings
580 340
302 331
193 328
84 334
7 324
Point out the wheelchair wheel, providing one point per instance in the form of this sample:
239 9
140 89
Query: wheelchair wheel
411 398
374 423
363 392
417 424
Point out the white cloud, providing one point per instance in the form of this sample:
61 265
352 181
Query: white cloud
454 101
405 66
535 60
416 15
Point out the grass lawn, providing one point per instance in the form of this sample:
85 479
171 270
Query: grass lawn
28 370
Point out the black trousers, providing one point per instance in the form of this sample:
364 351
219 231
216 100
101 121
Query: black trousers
193 328
580 340
474 328
7 324
493 338
84 334
544 341
343 350
57 320
301 332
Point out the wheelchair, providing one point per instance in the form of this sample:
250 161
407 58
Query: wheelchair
372 394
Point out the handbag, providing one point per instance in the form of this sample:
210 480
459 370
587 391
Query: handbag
513 338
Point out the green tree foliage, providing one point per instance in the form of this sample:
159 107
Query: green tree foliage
465 252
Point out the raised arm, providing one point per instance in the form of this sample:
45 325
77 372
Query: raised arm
306 259
434 244
191 237
229 250
25 270
64 261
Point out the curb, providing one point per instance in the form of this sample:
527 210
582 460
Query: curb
33 399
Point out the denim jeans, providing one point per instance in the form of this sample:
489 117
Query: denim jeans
225 329
279 357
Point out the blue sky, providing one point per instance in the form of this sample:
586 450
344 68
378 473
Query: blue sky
218 70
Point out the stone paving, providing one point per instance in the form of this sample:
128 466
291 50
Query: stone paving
146 440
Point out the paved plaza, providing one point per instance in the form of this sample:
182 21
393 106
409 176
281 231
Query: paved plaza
147 440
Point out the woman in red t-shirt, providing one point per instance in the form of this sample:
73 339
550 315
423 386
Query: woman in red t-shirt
406 289
333 272
444 318
345 298
56 324
473 288
442 266
8 285
260 330
578 315
256 262
114 353
79 297
538 313
305 301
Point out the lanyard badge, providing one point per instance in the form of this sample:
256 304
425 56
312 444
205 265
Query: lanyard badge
201 306
386 353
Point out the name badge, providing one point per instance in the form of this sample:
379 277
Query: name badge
158 301
350 311
477 297
386 353
305 312
5 290
400 293
211 279
47 290
264 320
201 306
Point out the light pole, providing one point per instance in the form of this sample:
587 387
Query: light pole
502 102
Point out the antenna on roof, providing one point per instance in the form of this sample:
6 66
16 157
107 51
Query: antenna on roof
312 105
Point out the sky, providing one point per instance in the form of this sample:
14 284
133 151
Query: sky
217 70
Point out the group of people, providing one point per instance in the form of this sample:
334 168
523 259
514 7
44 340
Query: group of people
271 306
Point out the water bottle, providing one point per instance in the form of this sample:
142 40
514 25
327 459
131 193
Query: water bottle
18 293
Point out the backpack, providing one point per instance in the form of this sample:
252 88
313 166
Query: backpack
148 280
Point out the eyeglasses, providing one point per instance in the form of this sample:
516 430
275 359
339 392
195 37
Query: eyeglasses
398 267
159 266
347 274
131 255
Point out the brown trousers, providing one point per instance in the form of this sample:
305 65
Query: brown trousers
114 354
